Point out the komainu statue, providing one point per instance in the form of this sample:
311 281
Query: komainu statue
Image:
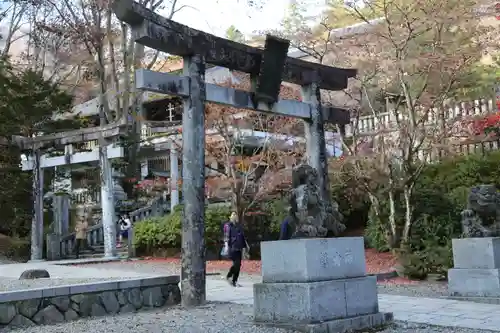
482 216
312 216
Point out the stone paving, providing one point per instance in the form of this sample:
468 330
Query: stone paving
433 311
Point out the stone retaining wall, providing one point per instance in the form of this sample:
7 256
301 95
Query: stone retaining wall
66 303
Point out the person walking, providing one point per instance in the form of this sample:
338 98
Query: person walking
81 229
125 225
234 243
285 228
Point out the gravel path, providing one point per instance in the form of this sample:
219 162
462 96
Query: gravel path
140 266
420 289
212 318
7 284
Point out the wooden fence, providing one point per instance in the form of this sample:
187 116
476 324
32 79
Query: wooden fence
452 111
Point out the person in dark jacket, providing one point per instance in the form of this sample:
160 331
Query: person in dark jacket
235 241
285 228
285 233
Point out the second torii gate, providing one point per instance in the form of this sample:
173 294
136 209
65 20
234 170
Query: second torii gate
37 161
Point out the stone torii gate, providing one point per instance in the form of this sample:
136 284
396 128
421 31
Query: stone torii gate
63 141
267 68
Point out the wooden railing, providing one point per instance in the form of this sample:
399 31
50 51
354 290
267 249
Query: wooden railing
95 233
371 123
479 145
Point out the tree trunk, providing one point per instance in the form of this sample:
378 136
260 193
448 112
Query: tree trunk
236 201
393 228
389 229
104 112
112 59
408 215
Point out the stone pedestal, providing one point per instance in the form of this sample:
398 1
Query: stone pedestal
53 246
476 271
317 285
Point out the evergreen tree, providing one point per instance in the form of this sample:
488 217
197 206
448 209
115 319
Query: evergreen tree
27 104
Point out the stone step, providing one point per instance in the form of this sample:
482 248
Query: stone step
99 251
120 252
100 255
101 246
118 249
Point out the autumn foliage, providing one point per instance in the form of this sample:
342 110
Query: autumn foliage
253 150
487 125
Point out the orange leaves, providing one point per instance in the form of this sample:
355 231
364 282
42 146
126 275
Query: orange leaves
252 145
486 125
226 124
243 165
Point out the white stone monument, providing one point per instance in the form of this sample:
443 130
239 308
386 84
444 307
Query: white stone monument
476 271
317 285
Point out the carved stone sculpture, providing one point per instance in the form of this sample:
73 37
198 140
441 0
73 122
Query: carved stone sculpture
311 215
482 216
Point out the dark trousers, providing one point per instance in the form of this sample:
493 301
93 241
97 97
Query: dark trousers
81 244
234 271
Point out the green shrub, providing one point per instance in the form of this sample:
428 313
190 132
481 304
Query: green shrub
156 235
351 197
458 197
375 231
439 196
18 249
215 216
412 264
374 235
429 249
276 211
164 232
464 171
434 259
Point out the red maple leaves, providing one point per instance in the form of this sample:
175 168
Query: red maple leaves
488 124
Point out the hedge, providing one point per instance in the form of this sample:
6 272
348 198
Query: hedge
440 196
160 234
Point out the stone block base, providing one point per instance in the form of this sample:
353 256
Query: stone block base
312 302
317 259
476 253
358 323
474 282
59 304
